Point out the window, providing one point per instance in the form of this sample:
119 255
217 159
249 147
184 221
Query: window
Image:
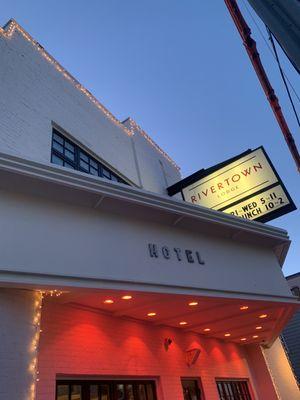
296 291
191 389
105 390
69 155
233 390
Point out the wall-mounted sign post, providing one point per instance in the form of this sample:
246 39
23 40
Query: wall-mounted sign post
246 186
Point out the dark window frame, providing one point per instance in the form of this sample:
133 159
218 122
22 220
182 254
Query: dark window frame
112 383
234 389
81 157
296 291
199 387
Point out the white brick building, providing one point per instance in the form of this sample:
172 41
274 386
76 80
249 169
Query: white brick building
89 311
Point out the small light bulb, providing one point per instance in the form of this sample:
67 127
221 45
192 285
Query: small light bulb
151 314
126 297
108 301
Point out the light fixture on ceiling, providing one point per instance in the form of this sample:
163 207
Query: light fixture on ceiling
151 314
108 301
126 297
263 316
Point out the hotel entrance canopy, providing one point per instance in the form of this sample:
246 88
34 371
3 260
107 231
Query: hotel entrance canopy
233 320
95 240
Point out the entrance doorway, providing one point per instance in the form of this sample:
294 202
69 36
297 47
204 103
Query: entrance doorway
105 390
191 389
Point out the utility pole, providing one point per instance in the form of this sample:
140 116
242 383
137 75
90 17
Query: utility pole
250 46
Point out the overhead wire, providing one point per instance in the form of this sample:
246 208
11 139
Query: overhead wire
270 49
282 75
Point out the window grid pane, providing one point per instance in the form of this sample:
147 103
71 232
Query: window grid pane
58 138
57 160
68 154
233 390
70 147
105 392
75 392
62 392
105 173
58 147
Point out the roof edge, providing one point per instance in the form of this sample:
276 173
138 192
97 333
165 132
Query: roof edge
8 30
295 275
135 127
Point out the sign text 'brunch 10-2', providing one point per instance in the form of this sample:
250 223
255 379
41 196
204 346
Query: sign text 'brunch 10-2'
246 186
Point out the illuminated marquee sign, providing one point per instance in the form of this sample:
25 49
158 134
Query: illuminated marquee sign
246 186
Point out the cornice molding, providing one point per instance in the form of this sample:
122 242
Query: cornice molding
62 178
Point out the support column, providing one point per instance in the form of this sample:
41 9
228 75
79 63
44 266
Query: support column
281 372
263 384
20 312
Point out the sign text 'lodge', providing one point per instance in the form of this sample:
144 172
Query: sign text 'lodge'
169 253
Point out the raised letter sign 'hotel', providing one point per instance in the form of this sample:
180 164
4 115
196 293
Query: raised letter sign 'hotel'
109 288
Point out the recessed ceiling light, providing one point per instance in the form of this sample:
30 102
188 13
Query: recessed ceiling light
151 314
182 323
206 329
108 301
263 316
243 339
126 297
193 303
255 336
258 327
243 308
227 334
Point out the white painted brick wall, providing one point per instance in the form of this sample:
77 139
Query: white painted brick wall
16 334
34 93
156 171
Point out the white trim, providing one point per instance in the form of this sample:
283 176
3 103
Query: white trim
64 179
42 281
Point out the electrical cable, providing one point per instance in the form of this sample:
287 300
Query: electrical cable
270 49
282 74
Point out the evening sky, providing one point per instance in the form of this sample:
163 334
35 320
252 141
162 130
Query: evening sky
180 70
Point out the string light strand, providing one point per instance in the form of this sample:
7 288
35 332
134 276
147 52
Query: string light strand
13 26
134 126
33 366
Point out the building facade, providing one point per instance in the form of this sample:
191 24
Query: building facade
109 288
